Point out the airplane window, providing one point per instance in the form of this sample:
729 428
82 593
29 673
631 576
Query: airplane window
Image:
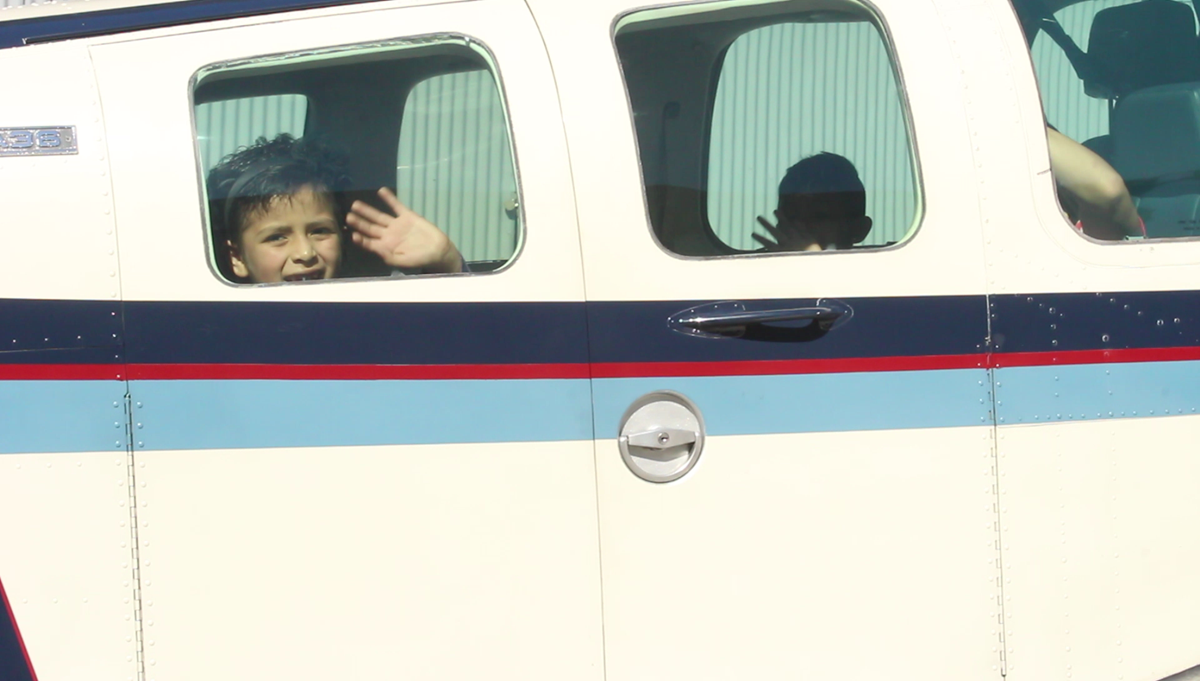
779 132
303 187
466 182
1120 83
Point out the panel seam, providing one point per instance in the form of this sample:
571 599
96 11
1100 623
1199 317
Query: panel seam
135 555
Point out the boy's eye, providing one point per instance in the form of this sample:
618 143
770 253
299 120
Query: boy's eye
324 230
274 237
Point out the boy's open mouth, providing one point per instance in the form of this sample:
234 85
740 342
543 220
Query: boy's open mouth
306 276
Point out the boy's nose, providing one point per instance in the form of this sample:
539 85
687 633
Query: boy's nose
304 250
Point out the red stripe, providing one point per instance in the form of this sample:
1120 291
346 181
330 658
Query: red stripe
62 372
1041 359
352 372
369 372
17 631
786 366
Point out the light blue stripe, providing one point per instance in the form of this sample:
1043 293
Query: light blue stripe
61 416
1094 391
250 414
57 416
753 405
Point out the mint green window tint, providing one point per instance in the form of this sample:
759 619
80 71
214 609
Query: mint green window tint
454 164
792 90
224 127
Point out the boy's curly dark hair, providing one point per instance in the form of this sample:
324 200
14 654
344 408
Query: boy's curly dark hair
252 177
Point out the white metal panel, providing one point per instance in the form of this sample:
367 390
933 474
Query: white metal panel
1100 548
826 555
58 211
67 564
422 562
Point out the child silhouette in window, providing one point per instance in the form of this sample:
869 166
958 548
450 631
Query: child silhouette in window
822 206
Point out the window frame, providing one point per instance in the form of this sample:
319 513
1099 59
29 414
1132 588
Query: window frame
321 56
1032 65
702 7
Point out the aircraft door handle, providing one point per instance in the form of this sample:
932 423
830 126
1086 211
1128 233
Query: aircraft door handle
721 322
739 320
661 438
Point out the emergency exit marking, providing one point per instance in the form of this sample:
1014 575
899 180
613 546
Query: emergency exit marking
40 141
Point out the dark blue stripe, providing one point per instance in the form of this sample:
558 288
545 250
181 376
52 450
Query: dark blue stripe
878 327
59 332
523 333
103 22
13 666
356 333
1063 322
65 332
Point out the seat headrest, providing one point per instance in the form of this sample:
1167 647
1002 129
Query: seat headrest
1156 133
1148 43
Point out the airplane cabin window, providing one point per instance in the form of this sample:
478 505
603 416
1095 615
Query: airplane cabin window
1120 79
769 127
305 182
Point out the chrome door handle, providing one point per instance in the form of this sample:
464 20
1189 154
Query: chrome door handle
720 322
661 438
753 320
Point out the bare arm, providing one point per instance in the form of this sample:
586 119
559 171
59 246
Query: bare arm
1105 207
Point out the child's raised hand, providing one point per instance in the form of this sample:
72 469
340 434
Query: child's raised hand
789 235
404 239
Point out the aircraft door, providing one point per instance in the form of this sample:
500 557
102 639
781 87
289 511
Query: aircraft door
1094 342
387 473
793 423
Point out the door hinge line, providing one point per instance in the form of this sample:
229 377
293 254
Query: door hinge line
998 527
135 554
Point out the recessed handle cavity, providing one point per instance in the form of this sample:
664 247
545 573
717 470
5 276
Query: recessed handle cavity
738 320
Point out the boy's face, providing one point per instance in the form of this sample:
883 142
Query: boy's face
826 218
296 238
